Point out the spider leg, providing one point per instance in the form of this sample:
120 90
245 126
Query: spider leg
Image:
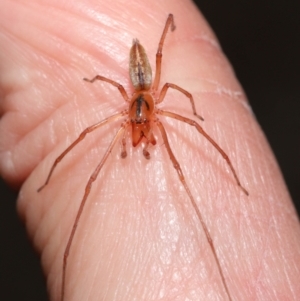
112 82
80 138
186 93
88 187
169 22
213 142
199 215
145 150
123 146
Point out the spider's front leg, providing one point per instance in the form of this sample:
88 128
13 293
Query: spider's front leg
169 22
112 82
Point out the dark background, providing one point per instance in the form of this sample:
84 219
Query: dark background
262 41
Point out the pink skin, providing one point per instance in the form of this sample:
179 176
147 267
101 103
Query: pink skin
139 237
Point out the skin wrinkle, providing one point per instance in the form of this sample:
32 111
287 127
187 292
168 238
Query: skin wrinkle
68 46
19 142
289 280
222 90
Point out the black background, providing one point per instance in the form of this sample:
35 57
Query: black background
262 41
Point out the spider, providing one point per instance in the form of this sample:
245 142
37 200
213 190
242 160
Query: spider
141 116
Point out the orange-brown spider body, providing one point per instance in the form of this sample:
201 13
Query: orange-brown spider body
141 113
141 116
141 107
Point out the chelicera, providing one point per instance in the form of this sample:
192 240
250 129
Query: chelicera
141 117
